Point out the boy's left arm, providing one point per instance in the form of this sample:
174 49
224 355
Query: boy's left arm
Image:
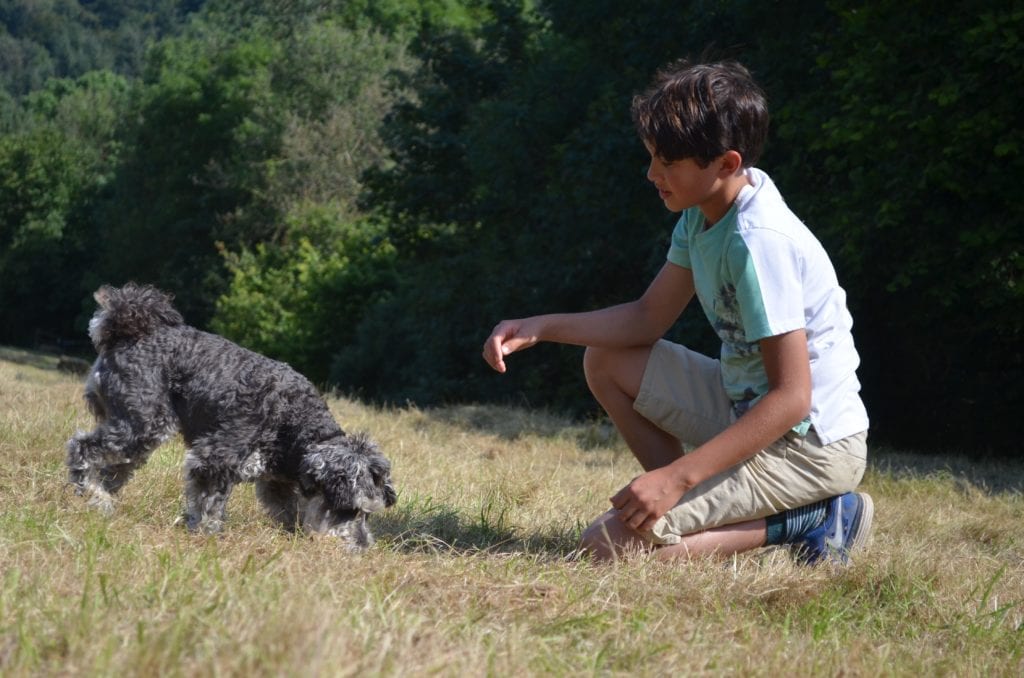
788 400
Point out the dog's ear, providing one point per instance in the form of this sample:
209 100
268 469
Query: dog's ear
311 470
342 477
351 476
380 470
307 473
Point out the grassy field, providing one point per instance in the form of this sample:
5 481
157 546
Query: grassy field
474 571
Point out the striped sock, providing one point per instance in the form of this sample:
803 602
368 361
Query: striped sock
787 526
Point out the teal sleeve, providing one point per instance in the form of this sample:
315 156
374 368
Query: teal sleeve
679 250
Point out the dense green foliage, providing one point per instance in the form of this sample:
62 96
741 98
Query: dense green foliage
44 39
909 175
53 172
365 188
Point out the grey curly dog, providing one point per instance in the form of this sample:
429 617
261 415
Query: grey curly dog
243 416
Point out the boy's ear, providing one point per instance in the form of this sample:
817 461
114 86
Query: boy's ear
732 162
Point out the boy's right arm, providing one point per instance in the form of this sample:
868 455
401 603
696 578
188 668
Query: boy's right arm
636 323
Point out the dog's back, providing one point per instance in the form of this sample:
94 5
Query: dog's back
213 380
209 380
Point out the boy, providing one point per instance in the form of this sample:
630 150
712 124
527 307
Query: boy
777 426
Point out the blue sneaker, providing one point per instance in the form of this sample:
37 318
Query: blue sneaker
845 529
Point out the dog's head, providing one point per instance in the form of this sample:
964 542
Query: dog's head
342 484
129 313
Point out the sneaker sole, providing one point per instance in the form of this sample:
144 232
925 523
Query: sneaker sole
862 531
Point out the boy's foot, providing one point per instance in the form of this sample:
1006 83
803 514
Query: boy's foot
845 529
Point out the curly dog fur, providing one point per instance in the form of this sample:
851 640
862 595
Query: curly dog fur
243 416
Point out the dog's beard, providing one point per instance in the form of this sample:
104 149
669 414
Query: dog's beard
88 485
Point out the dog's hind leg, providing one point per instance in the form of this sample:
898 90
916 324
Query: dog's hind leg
206 496
130 425
280 499
101 461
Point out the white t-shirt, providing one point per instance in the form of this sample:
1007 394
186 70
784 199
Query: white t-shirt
759 272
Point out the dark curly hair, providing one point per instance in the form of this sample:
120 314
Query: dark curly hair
132 312
700 111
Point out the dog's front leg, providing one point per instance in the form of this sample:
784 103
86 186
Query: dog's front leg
206 498
87 457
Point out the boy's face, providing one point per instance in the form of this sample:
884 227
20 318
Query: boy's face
683 183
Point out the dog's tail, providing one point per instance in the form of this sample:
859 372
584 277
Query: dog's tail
131 312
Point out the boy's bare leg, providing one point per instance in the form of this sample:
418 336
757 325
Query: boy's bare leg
608 538
719 541
614 377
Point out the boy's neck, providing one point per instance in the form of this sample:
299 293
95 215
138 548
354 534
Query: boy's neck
722 197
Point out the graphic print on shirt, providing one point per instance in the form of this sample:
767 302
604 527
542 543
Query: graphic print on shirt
728 325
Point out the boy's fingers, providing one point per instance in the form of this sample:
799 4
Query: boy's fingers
494 350
493 358
618 499
502 342
511 345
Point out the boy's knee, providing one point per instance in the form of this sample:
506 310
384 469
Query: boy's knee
615 369
597 541
599 362
594 361
600 367
608 538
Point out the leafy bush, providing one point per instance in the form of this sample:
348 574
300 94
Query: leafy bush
300 302
52 173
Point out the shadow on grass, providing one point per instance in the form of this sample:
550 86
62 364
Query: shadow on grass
992 475
42 361
48 360
988 475
422 526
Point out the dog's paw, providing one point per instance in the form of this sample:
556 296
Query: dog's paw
198 524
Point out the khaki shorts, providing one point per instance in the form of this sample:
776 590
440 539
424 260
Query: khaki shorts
682 393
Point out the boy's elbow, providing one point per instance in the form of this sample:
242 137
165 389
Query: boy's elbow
802 404
794 404
648 325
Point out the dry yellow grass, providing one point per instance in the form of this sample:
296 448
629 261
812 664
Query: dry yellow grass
474 572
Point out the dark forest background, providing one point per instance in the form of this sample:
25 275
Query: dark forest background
364 188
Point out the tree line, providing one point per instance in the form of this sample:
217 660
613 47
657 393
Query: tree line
364 188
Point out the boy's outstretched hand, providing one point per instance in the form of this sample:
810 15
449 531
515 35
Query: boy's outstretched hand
507 337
